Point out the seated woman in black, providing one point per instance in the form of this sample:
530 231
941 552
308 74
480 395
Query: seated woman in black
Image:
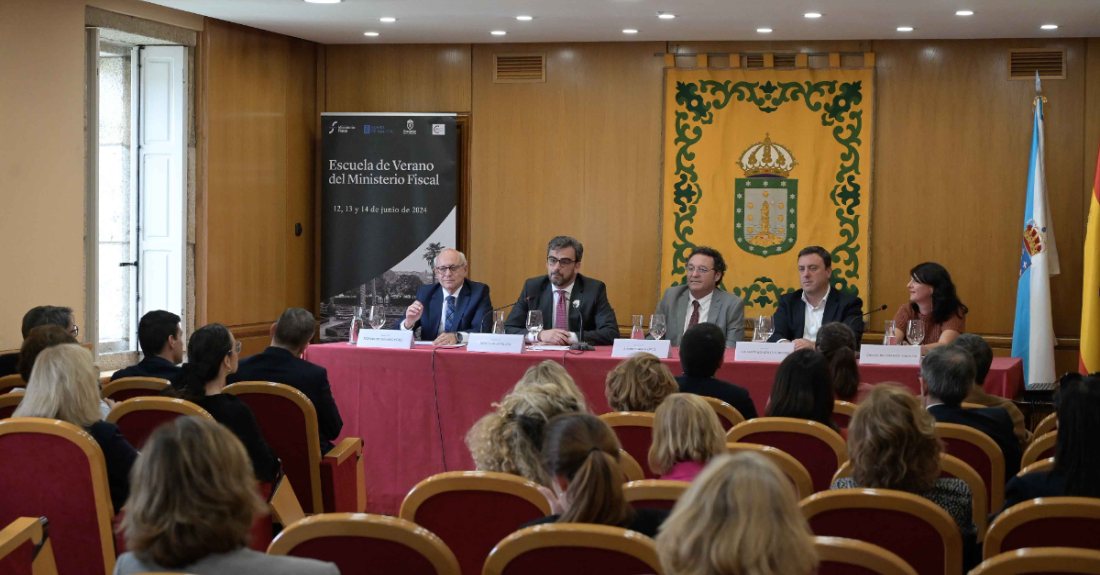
212 354
802 389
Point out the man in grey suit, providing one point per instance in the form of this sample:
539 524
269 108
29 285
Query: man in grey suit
701 301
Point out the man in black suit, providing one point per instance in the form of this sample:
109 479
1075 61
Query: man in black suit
282 363
9 362
570 303
161 340
801 313
948 372
446 312
702 352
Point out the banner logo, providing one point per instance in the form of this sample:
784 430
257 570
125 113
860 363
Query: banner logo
439 129
332 128
766 200
409 131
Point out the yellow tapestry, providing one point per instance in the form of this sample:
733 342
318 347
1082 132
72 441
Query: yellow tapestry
759 164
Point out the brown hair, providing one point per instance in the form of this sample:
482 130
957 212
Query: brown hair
892 442
581 448
640 383
192 494
685 428
38 339
837 342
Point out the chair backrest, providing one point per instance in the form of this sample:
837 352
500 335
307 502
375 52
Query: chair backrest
574 548
360 543
980 452
635 432
1048 424
654 493
631 470
728 415
843 412
840 556
817 447
471 511
1040 448
968 405
9 381
288 421
131 387
137 418
913 528
25 547
1041 465
1046 522
803 483
8 403
1043 560
54 469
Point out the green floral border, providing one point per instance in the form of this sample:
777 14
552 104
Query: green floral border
842 113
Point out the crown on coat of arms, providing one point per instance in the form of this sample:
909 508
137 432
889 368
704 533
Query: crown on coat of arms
1034 238
767 158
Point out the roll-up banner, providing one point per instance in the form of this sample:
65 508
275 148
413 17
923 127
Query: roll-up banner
388 206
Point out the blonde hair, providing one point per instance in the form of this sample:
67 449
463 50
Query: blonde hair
509 440
685 428
64 385
739 517
640 383
892 442
192 494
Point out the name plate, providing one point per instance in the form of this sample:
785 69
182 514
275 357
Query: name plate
495 343
762 351
385 338
629 347
889 355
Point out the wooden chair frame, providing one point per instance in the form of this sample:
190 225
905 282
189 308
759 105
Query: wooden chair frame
844 407
631 470
792 425
968 405
11 399
472 481
180 406
572 535
649 489
628 419
861 554
9 381
1048 424
283 503
150 383
1044 508
34 530
1041 560
996 488
382 527
1041 465
104 508
892 500
725 410
791 467
1039 444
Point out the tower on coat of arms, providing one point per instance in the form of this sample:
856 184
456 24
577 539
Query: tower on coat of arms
766 200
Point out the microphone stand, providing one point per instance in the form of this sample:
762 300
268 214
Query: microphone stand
481 328
581 345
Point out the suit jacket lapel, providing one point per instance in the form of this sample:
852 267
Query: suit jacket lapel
463 302
575 316
429 326
831 303
676 324
546 304
798 322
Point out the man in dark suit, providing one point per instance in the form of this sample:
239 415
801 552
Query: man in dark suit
448 311
282 363
570 303
702 352
948 373
801 313
161 340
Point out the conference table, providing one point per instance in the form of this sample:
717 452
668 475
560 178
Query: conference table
413 407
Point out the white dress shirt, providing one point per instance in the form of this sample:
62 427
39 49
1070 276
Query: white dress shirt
814 316
443 311
704 308
568 309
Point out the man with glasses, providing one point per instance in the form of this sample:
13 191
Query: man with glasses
567 300
700 301
448 311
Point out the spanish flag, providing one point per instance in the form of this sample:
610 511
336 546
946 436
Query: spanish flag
1090 301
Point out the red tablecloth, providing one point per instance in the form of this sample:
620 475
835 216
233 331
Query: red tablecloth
413 407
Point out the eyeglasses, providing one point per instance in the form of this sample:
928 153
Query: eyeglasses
701 269
553 262
237 349
75 330
447 269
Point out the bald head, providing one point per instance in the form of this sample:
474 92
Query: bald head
450 269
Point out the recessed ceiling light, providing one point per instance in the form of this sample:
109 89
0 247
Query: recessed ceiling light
812 15
1049 26
630 31
370 33
964 13
905 28
498 32
665 16
324 1
525 18
387 19
764 30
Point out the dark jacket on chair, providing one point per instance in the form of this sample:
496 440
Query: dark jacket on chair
734 395
1033 486
9 364
119 456
992 421
154 366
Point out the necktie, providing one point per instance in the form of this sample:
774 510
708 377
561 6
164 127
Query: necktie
561 315
449 323
694 315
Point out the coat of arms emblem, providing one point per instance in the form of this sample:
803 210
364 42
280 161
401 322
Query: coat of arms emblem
766 200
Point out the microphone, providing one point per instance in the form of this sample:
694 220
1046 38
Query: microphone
848 322
581 345
481 328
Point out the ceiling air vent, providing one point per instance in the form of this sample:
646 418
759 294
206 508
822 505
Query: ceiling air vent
783 61
519 68
754 60
1023 63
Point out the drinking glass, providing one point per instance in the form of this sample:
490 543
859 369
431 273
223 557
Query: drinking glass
534 325
356 325
498 322
657 326
636 332
377 317
763 328
889 337
915 335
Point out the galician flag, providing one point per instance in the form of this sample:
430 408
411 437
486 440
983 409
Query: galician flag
1090 302
1033 335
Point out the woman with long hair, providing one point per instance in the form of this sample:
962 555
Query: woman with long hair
933 302
640 383
686 435
837 342
802 389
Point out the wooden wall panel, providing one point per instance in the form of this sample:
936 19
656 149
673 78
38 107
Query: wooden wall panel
302 125
398 78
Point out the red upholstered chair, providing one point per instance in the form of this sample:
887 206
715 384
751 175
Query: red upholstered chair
9 381
25 547
8 403
54 469
912 527
980 452
841 556
1042 560
803 483
654 493
817 447
471 511
288 420
1040 448
131 387
635 432
137 418
728 415
362 544
1046 522
631 470
1041 465
1048 424
843 412
576 549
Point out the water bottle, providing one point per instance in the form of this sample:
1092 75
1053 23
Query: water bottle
889 338
356 325
636 332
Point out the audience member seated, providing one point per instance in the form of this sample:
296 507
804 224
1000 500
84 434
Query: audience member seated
702 352
983 360
639 383
161 340
212 354
686 435
933 301
949 374
1076 470
9 362
65 385
282 363
192 506
802 389
837 342
739 517
509 439
581 453
41 338
57 315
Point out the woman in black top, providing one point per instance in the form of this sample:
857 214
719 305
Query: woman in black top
802 389
212 354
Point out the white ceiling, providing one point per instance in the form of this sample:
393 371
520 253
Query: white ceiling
470 21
